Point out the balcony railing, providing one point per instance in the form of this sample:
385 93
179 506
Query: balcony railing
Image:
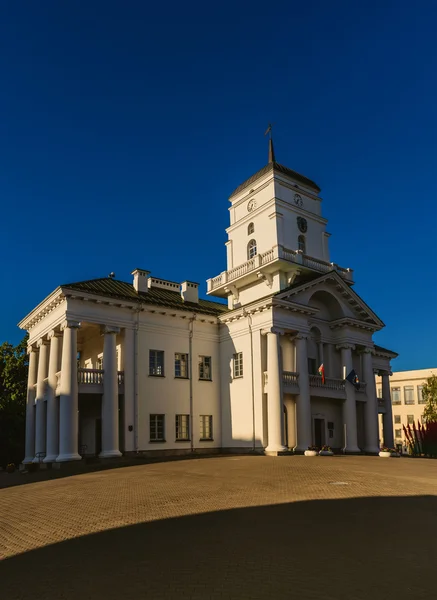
330 382
290 378
277 253
90 376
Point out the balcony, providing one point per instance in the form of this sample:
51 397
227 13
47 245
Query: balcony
90 381
277 258
331 388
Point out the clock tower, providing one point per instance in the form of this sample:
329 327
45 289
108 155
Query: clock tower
276 234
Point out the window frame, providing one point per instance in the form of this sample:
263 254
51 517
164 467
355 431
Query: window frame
203 430
411 401
397 419
393 401
157 440
400 434
181 426
410 419
155 367
252 249
201 363
238 368
301 241
420 399
251 228
187 372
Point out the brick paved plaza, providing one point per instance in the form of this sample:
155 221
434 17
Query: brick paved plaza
227 527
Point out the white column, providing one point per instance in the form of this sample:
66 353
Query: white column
371 407
387 417
349 405
68 402
303 400
274 395
40 416
30 406
128 352
110 443
52 403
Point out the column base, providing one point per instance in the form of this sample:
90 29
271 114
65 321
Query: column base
353 450
67 457
110 454
50 458
274 449
371 449
28 460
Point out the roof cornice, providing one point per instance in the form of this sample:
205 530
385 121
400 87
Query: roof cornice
39 312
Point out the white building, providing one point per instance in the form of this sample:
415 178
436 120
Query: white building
407 401
146 367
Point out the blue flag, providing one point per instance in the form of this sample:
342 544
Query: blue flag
353 379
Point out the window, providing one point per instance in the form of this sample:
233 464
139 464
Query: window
395 395
301 244
238 364
312 366
205 368
410 419
99 362
182 427
250 228
398 433
156 363
420 399
251 249
157 428
380 393
206 427
409 394
397 419
181 365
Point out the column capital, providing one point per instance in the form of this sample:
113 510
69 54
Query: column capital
275 330
71 324
301 336
384 373
367 350
31 348
345 346
53 333
104 329
41 342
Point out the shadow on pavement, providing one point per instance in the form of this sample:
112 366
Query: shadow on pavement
362 548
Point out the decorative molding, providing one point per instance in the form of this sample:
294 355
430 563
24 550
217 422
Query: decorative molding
70 324
31 348
267 277
53 333
42 310
41 342
345 346
109 329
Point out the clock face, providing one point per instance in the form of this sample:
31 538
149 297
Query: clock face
251 205
298 200
302 224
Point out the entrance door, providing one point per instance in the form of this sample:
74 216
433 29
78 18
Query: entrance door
319 432
98 436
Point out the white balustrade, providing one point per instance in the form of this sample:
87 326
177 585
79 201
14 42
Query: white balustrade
330 382
290 378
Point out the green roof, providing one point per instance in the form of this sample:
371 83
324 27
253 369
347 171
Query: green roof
121 290
381 349
276 168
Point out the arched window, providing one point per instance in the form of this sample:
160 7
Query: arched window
251 249
301 243
250 228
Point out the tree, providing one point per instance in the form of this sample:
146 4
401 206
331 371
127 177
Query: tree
429 395
13 390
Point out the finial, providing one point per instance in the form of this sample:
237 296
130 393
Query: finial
271 149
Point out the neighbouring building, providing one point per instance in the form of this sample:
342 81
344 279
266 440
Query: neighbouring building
405 391
147 366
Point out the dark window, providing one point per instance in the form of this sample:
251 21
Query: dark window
156 363
157 423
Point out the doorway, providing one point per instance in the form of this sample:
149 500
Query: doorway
319 432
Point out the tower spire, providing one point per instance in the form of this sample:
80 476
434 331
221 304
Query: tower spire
271 148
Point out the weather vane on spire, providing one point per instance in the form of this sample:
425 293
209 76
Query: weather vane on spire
271 149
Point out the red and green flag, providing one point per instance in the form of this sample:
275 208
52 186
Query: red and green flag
322 372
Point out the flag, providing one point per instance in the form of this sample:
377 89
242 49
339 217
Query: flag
353 379
322 372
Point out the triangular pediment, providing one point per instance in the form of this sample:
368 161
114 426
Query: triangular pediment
334 300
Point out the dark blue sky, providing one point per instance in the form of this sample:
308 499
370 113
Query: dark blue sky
124 129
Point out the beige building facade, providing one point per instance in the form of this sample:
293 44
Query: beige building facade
406 399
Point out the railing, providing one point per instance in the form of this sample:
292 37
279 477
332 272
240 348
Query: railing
330 382
362 387
289 378
90 376
277 252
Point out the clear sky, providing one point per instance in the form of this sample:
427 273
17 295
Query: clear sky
124 127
